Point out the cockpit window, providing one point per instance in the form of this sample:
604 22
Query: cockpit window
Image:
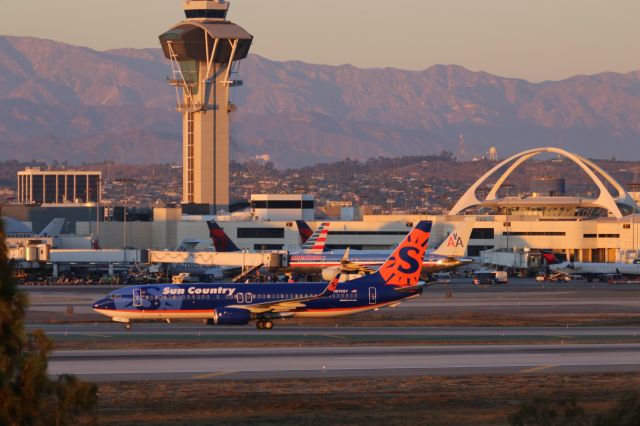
116 296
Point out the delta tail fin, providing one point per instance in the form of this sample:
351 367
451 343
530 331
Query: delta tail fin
317 242
221 241
455 245
304 230
404 266
54 228
550 257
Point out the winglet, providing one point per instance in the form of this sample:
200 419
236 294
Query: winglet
331 287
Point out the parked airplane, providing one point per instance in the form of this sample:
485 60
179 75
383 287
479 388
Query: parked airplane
315 243
448 256
313 259
53 229
594 270
238 304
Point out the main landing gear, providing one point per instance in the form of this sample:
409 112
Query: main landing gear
264 325
127 325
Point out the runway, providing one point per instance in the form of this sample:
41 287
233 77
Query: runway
269 363
521 296
168 331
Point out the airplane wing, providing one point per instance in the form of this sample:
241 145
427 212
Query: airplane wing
287 305
350 267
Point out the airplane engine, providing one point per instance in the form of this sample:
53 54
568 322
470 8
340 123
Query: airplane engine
231 317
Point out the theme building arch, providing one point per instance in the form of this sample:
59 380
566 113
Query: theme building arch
605 199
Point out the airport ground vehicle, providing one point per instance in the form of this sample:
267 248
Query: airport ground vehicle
490 277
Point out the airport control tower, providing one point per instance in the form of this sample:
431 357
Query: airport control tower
204 50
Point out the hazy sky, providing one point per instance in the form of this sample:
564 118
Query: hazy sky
532 39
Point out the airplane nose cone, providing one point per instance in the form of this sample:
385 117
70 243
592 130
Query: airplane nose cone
105 303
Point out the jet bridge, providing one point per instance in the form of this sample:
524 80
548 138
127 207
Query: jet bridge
246 260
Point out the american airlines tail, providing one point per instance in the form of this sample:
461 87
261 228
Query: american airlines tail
455 245
402 269
316 243
221 241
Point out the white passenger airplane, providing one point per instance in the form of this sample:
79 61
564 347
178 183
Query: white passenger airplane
591 270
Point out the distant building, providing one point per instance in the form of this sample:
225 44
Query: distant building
493 154
333 209
283 206
36 186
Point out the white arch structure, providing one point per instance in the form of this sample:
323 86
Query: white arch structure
605 199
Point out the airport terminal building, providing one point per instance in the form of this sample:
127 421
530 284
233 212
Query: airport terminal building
599 229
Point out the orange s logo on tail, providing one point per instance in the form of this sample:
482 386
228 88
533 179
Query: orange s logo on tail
403 268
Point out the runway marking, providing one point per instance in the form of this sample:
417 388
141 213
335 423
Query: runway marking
333 336
210 375
100 335
536 369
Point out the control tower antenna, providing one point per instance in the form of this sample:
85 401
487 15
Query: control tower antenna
204 51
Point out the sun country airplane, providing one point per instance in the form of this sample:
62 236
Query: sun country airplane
398 279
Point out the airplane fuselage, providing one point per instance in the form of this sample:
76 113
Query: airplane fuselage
316 262
210 301
595 269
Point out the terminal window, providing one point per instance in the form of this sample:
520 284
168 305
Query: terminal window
482 234
474 251
260 232
536 234
205 13
285 204
267 246
365 233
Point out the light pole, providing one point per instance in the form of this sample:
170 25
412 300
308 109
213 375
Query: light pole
124 182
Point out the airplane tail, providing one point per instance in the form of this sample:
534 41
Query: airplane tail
54 228
403 267
317 241
455 244
304 230
221 241
550 257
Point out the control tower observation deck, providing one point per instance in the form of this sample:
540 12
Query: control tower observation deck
204 51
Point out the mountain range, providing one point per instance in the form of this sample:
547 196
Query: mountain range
70 103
